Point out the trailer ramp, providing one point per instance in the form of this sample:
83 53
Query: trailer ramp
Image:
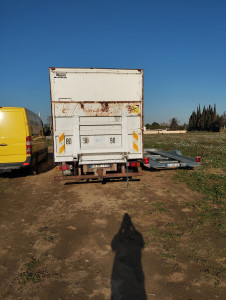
160 159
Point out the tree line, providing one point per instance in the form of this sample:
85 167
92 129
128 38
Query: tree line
172 125
206 120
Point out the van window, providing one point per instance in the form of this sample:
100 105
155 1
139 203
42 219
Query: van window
35 125
12 125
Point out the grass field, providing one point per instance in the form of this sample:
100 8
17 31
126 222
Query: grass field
208 221
210 178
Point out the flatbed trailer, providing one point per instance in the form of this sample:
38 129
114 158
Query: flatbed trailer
160 159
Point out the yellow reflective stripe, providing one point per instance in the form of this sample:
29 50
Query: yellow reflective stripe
135 147
135 140
61 138
62 148
135 135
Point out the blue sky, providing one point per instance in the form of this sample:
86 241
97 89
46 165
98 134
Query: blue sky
180 44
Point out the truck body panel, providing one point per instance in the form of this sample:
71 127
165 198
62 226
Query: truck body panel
97 115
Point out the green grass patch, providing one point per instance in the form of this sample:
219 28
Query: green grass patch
43 229
213 186
30 275
167 255
209 179
157 206
49 141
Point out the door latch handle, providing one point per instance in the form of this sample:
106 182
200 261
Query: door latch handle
3 144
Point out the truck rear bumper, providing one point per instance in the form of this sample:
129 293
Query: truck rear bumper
100 176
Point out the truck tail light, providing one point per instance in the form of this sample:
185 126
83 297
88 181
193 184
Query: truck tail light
133 164
146 160
198 158
63 167
66 167
28 144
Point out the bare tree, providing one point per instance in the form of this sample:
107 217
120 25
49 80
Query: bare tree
49 122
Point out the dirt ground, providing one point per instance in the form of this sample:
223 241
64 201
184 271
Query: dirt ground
99 241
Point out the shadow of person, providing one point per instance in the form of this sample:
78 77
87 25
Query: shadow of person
127 279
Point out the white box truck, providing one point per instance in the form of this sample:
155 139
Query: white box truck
97 117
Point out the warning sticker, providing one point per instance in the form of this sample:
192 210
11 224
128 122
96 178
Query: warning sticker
136 109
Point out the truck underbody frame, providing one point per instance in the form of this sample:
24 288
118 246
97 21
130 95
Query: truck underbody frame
100 175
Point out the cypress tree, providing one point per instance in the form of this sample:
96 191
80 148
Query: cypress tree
190 124
198 118
202 120
210 121
214 114
205 120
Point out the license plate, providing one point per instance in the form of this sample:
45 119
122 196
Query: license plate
99 166
173 165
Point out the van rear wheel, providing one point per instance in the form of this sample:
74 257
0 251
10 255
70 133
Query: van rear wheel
46 157
35 167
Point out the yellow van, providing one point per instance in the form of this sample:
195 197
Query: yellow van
22 143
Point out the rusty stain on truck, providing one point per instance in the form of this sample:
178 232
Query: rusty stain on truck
130 108
105 107
96 108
